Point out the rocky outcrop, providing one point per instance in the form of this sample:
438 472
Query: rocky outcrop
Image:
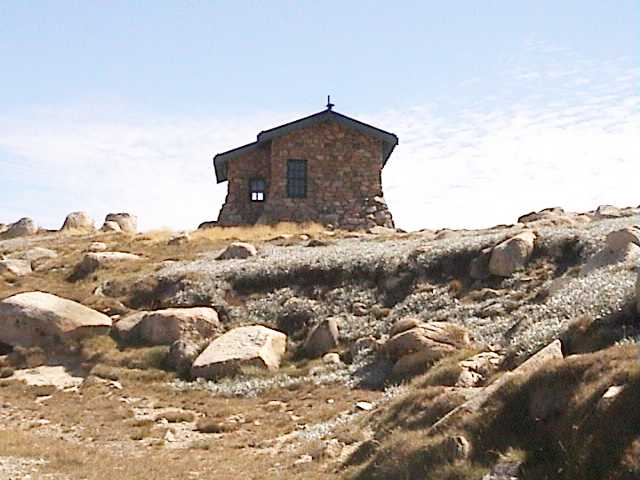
553 351
255 346
322 339
22 228
38 318
16 268
37 253
163 327
478 368
512 254
128 223
238 250
78 222
415 344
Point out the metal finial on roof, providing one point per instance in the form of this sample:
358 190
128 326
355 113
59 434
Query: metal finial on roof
329 104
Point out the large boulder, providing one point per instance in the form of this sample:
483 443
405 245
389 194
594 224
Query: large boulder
78 222
128 223
38 319
181 355
238 250
512 254
163 327
92 261
423 343
255 345
22 228
322 339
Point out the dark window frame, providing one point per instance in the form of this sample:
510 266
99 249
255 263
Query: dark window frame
297 178
256 194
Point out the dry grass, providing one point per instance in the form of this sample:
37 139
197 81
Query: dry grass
258 232
555 421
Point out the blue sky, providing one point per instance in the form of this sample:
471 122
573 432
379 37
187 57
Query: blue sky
501 107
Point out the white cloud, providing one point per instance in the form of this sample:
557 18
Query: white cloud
479 165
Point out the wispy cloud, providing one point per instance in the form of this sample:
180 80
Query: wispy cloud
572 140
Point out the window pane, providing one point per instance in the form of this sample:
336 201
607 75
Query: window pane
297 178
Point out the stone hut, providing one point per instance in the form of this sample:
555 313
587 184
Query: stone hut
324 168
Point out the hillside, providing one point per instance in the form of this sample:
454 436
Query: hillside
504 353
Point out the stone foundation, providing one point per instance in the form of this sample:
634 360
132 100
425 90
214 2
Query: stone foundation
344 187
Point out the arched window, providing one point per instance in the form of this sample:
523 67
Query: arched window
257 189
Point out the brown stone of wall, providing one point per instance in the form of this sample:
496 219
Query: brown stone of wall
343 171
238 209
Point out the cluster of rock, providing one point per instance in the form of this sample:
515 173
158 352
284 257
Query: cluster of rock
75 222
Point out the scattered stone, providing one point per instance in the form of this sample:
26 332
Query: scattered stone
512 254
331 359
128 223
181 355
365 406
322 339
359 309
163 327
275 406
364 344
37 318
546 214
56 376
17 268
78 222
97 247
238 250
612 392
303 459
179 239
22 228
478 368
255 345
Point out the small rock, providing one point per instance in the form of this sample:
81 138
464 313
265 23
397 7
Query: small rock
238 250
331 359
179 239
97 247
359 309
303 459
366 406
322 339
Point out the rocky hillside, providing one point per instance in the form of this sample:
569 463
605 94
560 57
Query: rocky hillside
299 352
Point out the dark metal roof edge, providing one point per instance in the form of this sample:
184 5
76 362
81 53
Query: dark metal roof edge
220 160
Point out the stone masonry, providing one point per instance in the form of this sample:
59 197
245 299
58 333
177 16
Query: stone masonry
344 186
